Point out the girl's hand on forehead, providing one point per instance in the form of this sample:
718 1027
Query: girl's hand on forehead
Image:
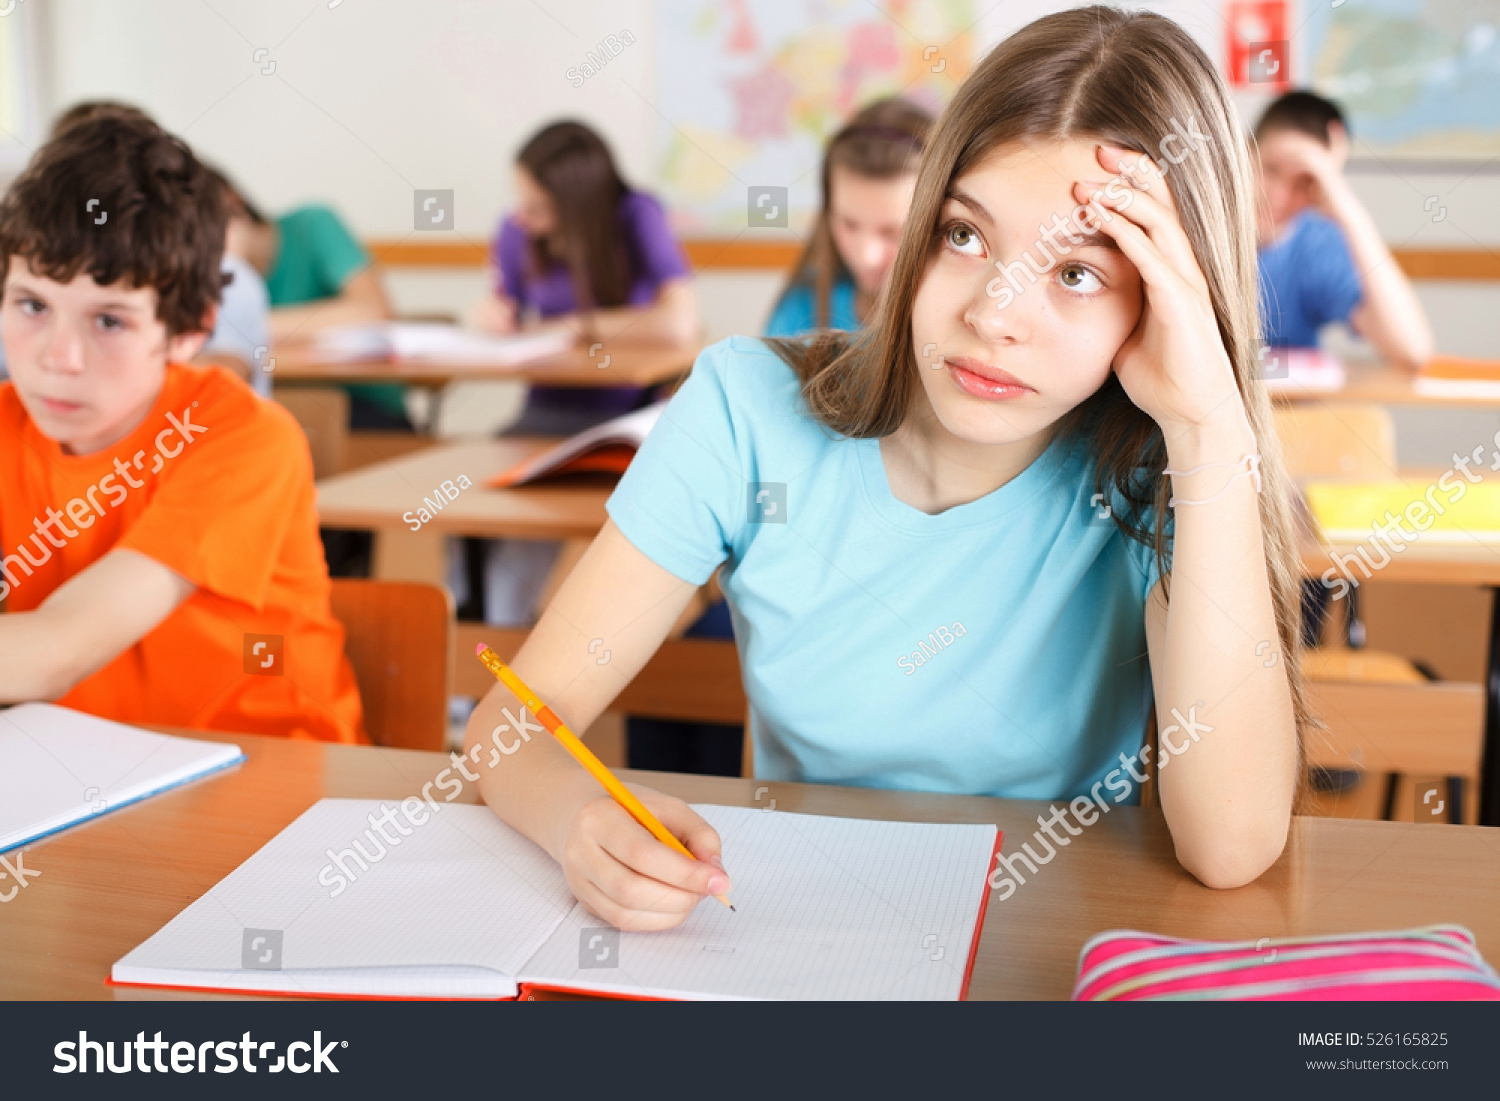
1173 365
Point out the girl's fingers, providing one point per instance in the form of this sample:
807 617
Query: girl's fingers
631 891
1139 170
1160 224
1160 275
630 843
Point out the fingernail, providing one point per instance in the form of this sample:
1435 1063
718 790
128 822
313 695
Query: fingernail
718 884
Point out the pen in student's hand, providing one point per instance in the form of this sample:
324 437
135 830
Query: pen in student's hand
585 756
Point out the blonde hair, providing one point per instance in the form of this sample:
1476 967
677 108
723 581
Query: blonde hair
1130 79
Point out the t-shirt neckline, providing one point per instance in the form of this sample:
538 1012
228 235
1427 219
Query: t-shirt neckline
992 507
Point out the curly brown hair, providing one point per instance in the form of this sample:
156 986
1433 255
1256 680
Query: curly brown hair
116 196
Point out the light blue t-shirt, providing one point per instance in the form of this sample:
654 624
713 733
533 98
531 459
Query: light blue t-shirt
797 312
996 648
1307 280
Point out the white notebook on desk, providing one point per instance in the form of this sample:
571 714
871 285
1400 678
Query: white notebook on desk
465 907
59 767
435 342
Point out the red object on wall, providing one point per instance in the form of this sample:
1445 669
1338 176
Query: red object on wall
1257 50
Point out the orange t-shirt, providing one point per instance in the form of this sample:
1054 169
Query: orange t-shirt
216 485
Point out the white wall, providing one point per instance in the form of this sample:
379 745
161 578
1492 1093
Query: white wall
374 98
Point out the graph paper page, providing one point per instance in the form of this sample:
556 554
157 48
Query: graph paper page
826 908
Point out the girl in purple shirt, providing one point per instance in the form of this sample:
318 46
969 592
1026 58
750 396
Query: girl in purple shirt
583 250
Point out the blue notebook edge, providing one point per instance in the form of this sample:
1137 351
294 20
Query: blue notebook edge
209 771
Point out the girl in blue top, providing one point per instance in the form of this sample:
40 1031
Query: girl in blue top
948 539
869 170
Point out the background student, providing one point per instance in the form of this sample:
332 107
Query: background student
155 518
586 252
1322 259
317 276
959 505
583 251
869 170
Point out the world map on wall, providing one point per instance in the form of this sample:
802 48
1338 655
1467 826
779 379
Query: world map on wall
1418 78
749 90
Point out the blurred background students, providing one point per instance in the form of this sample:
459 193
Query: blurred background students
1322 259
317 276
585 251
869 171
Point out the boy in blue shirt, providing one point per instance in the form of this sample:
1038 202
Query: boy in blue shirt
1321 257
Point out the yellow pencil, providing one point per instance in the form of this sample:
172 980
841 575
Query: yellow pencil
559 730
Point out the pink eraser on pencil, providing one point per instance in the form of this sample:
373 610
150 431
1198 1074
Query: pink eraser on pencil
479 648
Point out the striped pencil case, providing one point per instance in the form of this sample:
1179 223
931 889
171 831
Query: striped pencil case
1433 963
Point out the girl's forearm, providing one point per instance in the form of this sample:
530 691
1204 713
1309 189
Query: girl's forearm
1227 753
530 782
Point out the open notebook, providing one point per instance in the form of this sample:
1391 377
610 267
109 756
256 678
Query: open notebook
466 907
604 449
435 342
59 766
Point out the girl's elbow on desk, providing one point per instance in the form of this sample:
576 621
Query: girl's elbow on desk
1233 854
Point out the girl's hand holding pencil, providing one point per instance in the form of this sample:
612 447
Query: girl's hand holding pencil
638 859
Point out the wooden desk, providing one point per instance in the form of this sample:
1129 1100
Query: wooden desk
376 498
615 363
108 884
1475 564
1382 384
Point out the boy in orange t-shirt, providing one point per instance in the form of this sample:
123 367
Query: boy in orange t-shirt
159 552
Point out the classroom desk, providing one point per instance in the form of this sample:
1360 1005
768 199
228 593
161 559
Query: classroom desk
615 363
1469 564
1383 384
108 884
376 497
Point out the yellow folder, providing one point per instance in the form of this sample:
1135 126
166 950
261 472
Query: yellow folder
1451 510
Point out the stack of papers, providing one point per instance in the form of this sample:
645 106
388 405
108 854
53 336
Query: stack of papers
431 342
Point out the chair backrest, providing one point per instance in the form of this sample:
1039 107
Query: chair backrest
399 639
323 413
1337 441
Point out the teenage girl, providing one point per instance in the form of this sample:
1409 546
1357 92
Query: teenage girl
1008 476
869 171
584 251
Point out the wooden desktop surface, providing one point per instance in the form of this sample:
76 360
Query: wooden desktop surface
614 363
1384 384
377 496
108 884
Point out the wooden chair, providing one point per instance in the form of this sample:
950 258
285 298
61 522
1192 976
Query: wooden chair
323 413
399 639
1337 441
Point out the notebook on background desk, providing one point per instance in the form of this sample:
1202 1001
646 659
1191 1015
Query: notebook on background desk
59 767
465 907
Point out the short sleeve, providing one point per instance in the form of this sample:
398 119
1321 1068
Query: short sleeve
679 498
793 315
1331 283
508 255
338 255
223 503
658 257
